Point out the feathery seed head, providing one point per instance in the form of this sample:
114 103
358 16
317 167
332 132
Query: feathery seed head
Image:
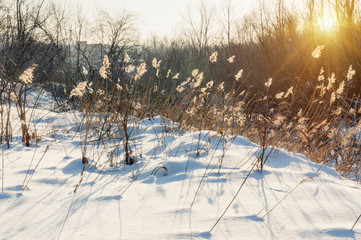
279 119
231 59
341 88
104 67
126 57
210 84
27 76
119 88
317 52
268 83
169 73
176 76
198 80
280 95
221 86
321 77
350 73
13 96
128 68
289 91
338 111
213 57
85 72
332 98
141 71
195 72
137 105
331 81
239 75
180 88
154 63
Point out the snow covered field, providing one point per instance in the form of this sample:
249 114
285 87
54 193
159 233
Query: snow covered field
293 198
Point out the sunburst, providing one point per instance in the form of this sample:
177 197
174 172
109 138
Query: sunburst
326 23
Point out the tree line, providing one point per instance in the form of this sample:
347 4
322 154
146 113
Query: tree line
275 40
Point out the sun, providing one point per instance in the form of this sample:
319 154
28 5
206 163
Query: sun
326 23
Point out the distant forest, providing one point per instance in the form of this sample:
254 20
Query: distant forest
274 41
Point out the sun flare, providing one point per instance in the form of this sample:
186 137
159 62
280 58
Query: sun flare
326 23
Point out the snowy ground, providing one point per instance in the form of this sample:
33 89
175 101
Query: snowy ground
110 204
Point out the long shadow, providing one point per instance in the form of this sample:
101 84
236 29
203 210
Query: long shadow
341 233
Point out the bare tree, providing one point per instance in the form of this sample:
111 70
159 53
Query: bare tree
116 34
199 30
23 45
227 22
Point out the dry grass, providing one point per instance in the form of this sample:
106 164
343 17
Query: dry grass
324 126
325 129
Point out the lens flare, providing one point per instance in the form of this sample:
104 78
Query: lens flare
326 23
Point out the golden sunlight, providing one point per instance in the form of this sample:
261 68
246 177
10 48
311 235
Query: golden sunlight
326 23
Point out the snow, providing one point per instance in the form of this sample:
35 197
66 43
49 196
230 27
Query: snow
293 198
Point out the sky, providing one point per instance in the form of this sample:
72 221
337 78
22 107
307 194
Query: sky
160 17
